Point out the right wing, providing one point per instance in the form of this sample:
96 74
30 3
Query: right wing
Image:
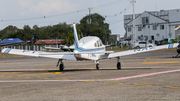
136 51
63 55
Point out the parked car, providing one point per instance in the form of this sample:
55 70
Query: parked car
125 42
168 40
161 42
178 42
155 42
143 44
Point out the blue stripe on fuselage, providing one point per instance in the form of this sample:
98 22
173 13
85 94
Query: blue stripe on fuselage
7 51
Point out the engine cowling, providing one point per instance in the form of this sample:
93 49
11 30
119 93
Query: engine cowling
178 48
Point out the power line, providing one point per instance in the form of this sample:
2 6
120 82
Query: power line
121 12
43 17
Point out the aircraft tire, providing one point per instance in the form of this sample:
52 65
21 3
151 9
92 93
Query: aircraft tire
97 66
138 47
118 65
61 67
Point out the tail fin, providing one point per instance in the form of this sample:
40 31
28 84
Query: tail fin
75 35
32 38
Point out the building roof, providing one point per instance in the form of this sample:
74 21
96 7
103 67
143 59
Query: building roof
11 40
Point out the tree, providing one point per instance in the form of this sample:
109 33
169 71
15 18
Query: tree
98 27
175 40
7 31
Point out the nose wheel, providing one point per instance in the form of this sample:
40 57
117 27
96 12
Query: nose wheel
97 64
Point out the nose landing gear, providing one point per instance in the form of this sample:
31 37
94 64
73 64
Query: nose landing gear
97 64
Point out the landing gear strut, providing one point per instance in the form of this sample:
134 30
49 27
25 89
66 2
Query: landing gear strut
176 56
178 51
61 66
118 63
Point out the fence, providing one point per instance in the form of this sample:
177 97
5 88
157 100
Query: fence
26 47
32 47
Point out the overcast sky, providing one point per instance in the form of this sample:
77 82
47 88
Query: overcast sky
50 12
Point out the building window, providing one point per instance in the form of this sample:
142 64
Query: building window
129 29
154 27
139 28
161 27
145 20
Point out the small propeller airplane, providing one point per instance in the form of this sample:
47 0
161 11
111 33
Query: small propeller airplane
87 48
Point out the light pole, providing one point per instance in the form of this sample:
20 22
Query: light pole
134 30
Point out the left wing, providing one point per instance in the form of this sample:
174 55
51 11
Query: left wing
63 55
136 51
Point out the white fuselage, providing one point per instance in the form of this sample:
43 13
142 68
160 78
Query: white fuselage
90 45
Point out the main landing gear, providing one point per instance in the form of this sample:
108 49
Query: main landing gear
118 63
176 56
61 66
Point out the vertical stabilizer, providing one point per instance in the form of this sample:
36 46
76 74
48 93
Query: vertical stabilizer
75 35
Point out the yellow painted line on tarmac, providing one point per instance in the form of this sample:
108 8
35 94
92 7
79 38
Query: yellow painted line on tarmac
9 72
43 74
4 61
22 76
57 73
142 84
114 82
8 76
173 87
42 78
2 76
26 75
161 62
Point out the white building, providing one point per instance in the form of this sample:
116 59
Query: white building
157 24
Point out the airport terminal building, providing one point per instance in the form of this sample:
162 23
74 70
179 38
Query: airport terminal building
153 24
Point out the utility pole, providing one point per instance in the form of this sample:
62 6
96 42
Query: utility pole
134 34
90 21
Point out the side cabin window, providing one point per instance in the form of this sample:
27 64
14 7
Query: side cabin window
95 45
100 42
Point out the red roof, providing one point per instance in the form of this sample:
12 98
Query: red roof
48 42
